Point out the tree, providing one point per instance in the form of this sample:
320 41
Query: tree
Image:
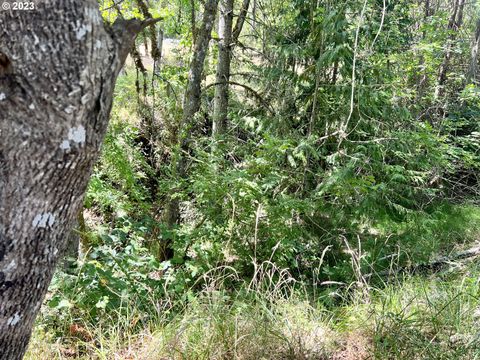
228 38
472 75
453 27
58 66
220 108
191 104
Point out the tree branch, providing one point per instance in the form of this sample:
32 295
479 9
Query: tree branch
260 99
124 33
240 21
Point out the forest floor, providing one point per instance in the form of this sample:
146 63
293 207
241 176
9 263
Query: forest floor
432 314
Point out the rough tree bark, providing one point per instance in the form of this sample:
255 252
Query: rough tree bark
222 77
58 65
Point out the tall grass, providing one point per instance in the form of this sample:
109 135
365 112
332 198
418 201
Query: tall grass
413 318
272 316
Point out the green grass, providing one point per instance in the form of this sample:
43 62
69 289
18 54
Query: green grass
429 318
425 316
434 317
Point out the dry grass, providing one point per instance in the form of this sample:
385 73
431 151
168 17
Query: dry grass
432 316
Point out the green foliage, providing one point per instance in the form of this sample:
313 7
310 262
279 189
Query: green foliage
113 277
429 320
344 158
118 184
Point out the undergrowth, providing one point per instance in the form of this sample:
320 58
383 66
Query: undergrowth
421 317
102 312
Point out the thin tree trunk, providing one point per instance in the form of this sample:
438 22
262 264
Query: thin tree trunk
454 25
228 39
240 21
158 58
143 6
472 75
137 60
58 69
191 105
220 107
427 9
313 115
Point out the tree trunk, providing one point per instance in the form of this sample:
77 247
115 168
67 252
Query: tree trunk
58 66
228 39
220 107
158 59
191 105
472 75
454 25
240 21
